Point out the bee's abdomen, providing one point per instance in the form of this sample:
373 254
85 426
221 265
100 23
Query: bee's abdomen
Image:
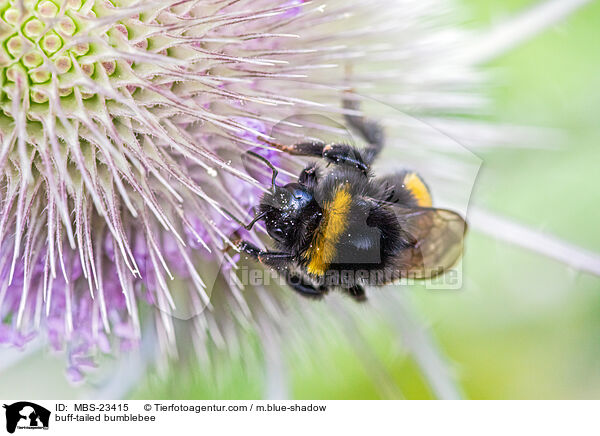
406 188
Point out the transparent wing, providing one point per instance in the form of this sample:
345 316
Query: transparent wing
434 240
311 127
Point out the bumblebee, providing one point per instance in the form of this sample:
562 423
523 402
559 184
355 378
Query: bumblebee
342 227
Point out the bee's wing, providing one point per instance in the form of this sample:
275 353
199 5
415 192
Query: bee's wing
311 127
435 241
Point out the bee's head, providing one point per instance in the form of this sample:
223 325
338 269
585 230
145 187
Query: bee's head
290 212
287 209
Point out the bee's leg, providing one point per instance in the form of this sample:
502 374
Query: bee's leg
273 259
357 292
305 289
309 176
343 154
371 131
248 248
339 154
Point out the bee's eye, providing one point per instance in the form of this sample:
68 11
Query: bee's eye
277 233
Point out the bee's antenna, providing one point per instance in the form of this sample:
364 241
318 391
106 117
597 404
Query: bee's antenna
269 164
273 186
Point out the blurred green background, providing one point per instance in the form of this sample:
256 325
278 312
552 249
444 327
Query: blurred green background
523 326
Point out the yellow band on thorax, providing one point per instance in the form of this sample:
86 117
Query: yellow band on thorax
322 250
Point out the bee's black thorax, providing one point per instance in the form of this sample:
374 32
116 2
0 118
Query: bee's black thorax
356 231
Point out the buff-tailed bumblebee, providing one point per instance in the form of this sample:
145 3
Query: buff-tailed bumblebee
342 227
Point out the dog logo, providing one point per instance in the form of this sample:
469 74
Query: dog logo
25 415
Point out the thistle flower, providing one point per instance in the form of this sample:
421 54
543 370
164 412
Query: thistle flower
122 124
103 186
